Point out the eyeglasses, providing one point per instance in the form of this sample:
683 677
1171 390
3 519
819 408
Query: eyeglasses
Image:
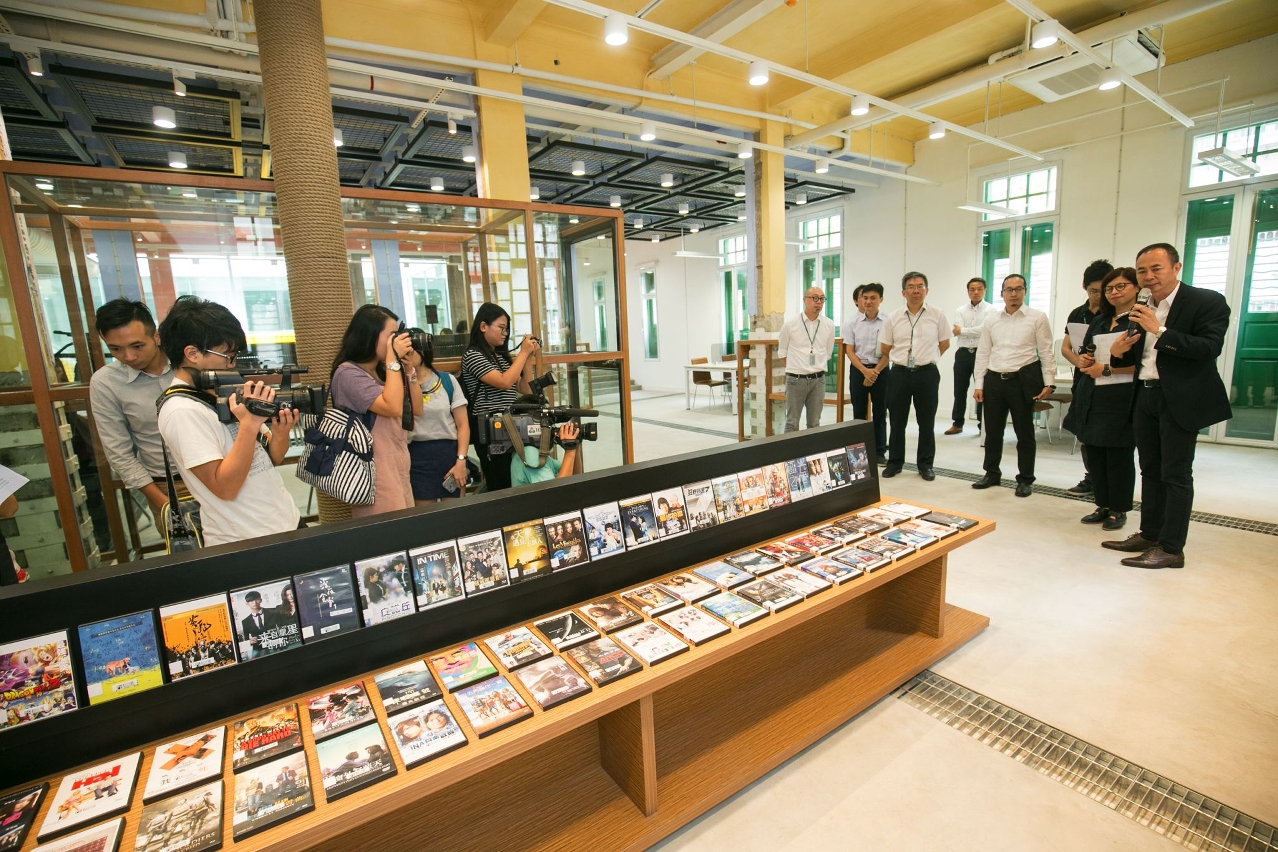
914 287
1114 288
1013 289
230 357
816 298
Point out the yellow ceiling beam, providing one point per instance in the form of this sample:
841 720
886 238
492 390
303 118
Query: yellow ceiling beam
506 20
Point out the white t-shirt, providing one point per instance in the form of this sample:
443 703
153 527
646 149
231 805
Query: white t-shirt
436 422
194 437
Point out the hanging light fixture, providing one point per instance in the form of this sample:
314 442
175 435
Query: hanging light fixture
1045 34
179 88
638 223
738 191
578 167
801 198
822 166
648 131
468 154
656 239
1110 79
615 30
683 208
758 72
667 180
338 139
437 184
572 220
860 105
177 160
35 67
534 193
744 151
614 201
162 116
452 127
694 227
413 208
936 130
741 217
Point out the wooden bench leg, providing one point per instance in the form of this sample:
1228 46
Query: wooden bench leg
916 602
628 752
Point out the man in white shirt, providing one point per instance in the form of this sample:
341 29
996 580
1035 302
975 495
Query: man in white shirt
806 343
968 320
914 339
861 333
1015 367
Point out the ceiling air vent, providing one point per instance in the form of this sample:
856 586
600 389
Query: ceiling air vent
1063 78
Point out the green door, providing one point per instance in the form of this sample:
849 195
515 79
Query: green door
1256 360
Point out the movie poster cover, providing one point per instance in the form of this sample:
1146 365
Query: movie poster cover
727 497
406 686
688 588
796 476
604 661
835 534
928 528
197 636
864 526
185 762
907 509
915 540
36 680
787 553
425 732
753 561
517 647
265 619
460 666
99 838
837 465
733 609
638 521
437 574
814 544
609 614
527 550
768 594
799 581
672 516
567 537
651 642
483 562
693 625
698 503
88 795
385 588
651 599
121 656
326 602
17 813
858 462
958 522
776 483
603 530
883 516
832 571
862 560
339 709
754 495
492 705
885 547
552 681
354 760
566 629
189 822
819 474
264 736
271 793
723 575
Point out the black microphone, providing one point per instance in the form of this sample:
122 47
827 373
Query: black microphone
1142 299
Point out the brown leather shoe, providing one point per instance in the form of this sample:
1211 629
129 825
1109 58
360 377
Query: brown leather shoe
954 430
1134 543
1156 557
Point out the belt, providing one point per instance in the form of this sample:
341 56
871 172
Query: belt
1007 377
913 369
1150 383
968 348
807 375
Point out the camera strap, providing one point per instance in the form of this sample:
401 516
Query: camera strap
406 415
507 423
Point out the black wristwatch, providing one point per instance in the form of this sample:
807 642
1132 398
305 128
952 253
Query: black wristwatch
1106 371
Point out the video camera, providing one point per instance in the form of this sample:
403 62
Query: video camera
304 399
532 417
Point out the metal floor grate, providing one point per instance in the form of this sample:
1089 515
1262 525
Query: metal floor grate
1173 810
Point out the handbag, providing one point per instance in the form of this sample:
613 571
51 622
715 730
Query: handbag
338 457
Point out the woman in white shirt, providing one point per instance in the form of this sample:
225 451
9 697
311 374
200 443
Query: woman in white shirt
441 433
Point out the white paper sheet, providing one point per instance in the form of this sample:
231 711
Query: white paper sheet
1077 331
10 482
1103 343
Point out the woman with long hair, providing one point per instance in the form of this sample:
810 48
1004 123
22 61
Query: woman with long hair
441 433
1103 402
493 381
371 352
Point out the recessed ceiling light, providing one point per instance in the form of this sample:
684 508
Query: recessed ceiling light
437 184
1110 79
648 131
162 116
177 160
744 151
936 130
578 167
1044 34
615 30
758 72
667 180
860 105
469 155
338 139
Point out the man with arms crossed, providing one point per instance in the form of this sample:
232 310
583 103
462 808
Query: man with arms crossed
914 338
806 343
967 332
861 333
1178 393
1014 368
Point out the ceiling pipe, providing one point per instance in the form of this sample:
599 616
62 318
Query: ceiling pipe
979 76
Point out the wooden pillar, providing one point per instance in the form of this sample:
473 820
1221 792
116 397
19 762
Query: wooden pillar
503 146
769 229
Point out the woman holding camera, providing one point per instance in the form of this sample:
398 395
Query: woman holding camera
493 382
441 433
370 352
1103 402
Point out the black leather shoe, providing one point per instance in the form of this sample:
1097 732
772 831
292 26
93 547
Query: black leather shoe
1082 488
1024 489
986 481
890 471
1116 521
1155 558
1134 543
927 473
1100 516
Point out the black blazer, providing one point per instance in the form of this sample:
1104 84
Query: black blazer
1187 353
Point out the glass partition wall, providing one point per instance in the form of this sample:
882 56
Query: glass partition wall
78 237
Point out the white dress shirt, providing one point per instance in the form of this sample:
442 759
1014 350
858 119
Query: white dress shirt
806 344
123 402
863 335
969 319
1149 358
915 335
1009 342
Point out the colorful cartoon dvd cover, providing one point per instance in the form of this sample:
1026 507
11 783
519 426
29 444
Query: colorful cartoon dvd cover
650 599
353 760
651 642
197 636
604 661
189 822
693 625
727 497
776 483
90 794
567 537
385 588
437 574
527 550
517 647
264 736
425 732
566 629
723 575
609 614
797 477
733 609
638 520
339 709
672 516
492 705
698 502
327 603
121 656
17 812
483 562
460 666
406 686
754 495
552 681
265 618
603 530
688 588
832 571
270 793
185 762
36 680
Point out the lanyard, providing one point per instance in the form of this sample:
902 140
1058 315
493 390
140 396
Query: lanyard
811 335
913 323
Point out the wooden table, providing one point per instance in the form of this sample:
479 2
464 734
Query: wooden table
731 367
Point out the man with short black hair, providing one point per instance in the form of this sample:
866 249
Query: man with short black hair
968 320
806 343
1093 275
861 333
122 398
914 338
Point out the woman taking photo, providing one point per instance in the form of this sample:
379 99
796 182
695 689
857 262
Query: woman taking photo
441 434
493 381
370 351
1103 402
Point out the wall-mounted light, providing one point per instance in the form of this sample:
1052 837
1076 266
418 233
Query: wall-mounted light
744 151
437 184
648 131
936 130
469 154
1045 34
667 180
338 139
758 72
177 160
614 201
162 116
860 105
1110 79
822 166
578 167
615 32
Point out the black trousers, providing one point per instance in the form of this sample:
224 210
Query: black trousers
878 394
1166 471
1011 396
916 387
1113 473
964 365
496 468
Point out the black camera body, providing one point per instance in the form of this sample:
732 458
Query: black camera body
304 399
422 341
532 416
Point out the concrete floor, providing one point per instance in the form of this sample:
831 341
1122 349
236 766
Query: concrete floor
1174 670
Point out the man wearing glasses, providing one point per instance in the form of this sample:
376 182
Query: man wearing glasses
1083 315
1015 367
913 340
806 343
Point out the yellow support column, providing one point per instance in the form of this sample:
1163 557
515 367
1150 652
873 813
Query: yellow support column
503 151
769 233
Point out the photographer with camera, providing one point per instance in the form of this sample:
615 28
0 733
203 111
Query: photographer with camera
493 382
441 433
524 471
228 467
372 378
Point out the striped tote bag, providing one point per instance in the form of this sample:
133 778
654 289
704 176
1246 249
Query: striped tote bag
338 457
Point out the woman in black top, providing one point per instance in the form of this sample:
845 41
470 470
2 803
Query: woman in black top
492 382
1102 407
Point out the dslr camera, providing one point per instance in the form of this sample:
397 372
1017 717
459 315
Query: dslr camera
422 341
304 399
532 417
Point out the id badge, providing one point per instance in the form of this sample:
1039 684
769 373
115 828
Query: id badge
811 359
909 362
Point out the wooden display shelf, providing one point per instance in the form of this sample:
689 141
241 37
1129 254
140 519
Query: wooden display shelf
631 762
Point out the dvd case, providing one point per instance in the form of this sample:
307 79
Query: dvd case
835 534
908 538
864 526
185 762
37 681
672 518
609 614
460 666
768 594
837 465
754 496
699 503
17 813
753 561
437 575
862 560
693 625
483 561
353 760
339 709
799 582
100 838
832 571
651 642
271 793
527 550
885 547
552 681
603 530
687 587
638 520
567 537
776 483
727 497
733 609
265 618
566 629
651 599
604 661
928 528
90 794
120 656
492 705
326 602
815 544
406 686
858 462
883 516
197 636
907 509
796 475
948 520
190 822
723 575
264 736
819 474
785 553
517 647
425 732
385 588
